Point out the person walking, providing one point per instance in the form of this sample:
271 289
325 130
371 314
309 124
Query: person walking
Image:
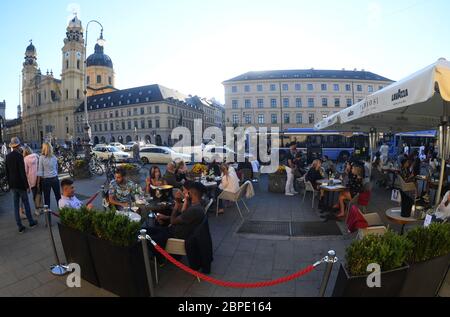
48 173
4 150
17 179
290 168
31 161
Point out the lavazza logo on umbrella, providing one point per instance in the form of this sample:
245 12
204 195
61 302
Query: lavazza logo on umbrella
400 94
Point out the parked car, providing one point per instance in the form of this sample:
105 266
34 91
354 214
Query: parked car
105 152
162 155
118 145
129 145
221 153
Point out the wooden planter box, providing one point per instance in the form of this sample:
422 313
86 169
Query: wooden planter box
277 183
120 270
356 286
425 278
77 250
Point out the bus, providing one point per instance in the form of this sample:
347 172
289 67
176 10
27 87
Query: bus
338 146
413 139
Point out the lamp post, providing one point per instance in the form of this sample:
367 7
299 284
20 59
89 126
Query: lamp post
87 127
2 125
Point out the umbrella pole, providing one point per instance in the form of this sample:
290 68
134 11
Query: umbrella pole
443 148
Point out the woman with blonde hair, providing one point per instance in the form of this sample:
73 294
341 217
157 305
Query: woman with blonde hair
48 173
230 183
31 161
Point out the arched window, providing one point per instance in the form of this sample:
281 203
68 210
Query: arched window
128 139
78 64
67 64
99 79
67 94
96 140
88 79
78 93
110 80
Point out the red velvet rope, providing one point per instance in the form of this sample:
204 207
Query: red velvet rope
233 284
54 214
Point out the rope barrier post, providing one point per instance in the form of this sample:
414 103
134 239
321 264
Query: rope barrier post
57 269
143 237
329 260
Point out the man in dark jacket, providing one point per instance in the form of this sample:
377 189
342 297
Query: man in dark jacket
17 179
170 176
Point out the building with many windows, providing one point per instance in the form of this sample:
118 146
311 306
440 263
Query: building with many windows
295 98
53 108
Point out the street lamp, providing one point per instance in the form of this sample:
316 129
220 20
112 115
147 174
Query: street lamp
87 127
2 125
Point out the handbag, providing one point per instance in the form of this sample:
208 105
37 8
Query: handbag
396 196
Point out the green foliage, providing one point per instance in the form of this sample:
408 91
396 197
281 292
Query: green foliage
390 251
117 229
80 220
429 243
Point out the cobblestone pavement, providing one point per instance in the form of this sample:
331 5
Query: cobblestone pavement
25 258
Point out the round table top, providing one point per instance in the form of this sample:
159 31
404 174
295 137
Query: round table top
325 181
209 184
334 188
394 214
132 215
163 187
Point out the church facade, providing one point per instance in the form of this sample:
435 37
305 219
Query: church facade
53 109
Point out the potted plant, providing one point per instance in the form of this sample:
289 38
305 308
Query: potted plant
390 251
81 170
74 228
429 260
117 255
198 170
277 181
132 172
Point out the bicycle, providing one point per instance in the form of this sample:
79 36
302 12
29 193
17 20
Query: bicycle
95 167
110 168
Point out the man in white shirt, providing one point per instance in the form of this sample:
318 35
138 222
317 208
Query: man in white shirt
68 198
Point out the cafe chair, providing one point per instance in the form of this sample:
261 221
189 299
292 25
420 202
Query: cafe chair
406 187
210 202
310 188
234 197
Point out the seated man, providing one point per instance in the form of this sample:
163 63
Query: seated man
171 177
68 198
122 191
328 165
182 224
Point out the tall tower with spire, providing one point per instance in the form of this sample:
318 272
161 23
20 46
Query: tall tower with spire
72 77
30 72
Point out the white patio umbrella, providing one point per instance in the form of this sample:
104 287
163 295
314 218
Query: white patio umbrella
421 101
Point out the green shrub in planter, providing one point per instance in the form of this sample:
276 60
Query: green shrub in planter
390 251
428 261
429 243
74 230
117 229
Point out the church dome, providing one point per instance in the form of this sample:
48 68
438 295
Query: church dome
31 48
74 23
99 58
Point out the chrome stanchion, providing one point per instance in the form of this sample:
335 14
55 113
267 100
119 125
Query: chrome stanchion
143 237
330 259
57 269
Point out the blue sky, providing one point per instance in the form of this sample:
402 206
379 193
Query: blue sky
194 45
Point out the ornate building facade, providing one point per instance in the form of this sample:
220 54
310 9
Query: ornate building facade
53 108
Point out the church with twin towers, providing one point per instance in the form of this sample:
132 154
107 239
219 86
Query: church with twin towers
53 109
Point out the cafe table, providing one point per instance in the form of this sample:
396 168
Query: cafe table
394 216
133 216
330 191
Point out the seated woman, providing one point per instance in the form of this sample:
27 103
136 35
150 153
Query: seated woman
314 174
181 171
247 166
163 218
355 187
154 179
230 183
